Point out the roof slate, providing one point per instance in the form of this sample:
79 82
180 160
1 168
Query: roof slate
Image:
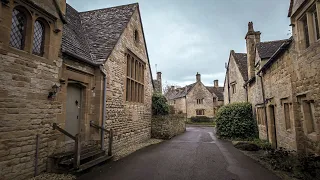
92 35
218 91
73 39
104 27
241 60
179 92
268 48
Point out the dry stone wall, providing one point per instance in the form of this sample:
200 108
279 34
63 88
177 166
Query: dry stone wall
166 127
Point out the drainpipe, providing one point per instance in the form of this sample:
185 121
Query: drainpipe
104 105
228 84
265 106
245 86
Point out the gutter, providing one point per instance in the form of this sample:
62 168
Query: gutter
104 98
80 58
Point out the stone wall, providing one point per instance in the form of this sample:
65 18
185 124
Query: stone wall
236 78
130 121
25 110
305 83
278 91
199 91
166 127
180 105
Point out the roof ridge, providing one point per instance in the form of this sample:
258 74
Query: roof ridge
274 41
110 7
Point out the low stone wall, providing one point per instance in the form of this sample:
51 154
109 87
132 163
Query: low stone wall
166 127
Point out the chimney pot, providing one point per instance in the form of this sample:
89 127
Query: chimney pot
159 76
198 77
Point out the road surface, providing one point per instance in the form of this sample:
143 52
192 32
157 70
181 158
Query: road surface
195 155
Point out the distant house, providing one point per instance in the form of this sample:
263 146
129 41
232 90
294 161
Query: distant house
196 99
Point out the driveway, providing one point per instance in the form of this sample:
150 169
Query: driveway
195 155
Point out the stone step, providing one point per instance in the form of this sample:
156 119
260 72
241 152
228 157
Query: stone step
93 163
91 153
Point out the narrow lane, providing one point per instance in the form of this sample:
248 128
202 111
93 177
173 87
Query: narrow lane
195 155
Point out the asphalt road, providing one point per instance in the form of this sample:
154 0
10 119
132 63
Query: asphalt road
195 155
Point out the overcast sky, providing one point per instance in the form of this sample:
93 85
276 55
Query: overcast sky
189 36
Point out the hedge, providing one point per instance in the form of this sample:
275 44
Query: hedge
159 104
196 119
236 121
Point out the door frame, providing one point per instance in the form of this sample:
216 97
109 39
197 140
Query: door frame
83 97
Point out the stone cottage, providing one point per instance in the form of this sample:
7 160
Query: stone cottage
76 71
236 76
283 81
196 99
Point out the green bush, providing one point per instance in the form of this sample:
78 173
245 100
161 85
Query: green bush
197 119
236 121
159 104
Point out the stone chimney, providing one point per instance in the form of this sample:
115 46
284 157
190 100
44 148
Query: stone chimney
252 39
159 81
159 76
172 88
216 83
198 77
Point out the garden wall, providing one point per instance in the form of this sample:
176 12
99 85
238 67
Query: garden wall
168 126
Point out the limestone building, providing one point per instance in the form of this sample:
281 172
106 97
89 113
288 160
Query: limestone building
196 99
283 81
75 70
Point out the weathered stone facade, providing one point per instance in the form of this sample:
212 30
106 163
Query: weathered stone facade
234 90
166 127
284 88
130 121
27 79
196 99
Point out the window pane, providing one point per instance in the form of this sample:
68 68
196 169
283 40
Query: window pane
316 23
287 115
128 90
132 67
128 65
305 31
38 38
18 26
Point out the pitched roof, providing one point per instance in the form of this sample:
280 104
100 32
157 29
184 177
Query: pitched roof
241 60
73 39
92 35
179 92
218 91
294 6
104 27
268 48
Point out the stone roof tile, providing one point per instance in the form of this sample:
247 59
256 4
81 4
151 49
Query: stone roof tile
241 61
268 48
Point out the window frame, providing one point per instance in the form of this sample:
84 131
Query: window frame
135 82
200 112
42 49
287 115
22 11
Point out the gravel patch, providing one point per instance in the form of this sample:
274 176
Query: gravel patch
53 176
128 150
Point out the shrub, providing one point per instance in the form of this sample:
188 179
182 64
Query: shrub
159 104
236 121
197 119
